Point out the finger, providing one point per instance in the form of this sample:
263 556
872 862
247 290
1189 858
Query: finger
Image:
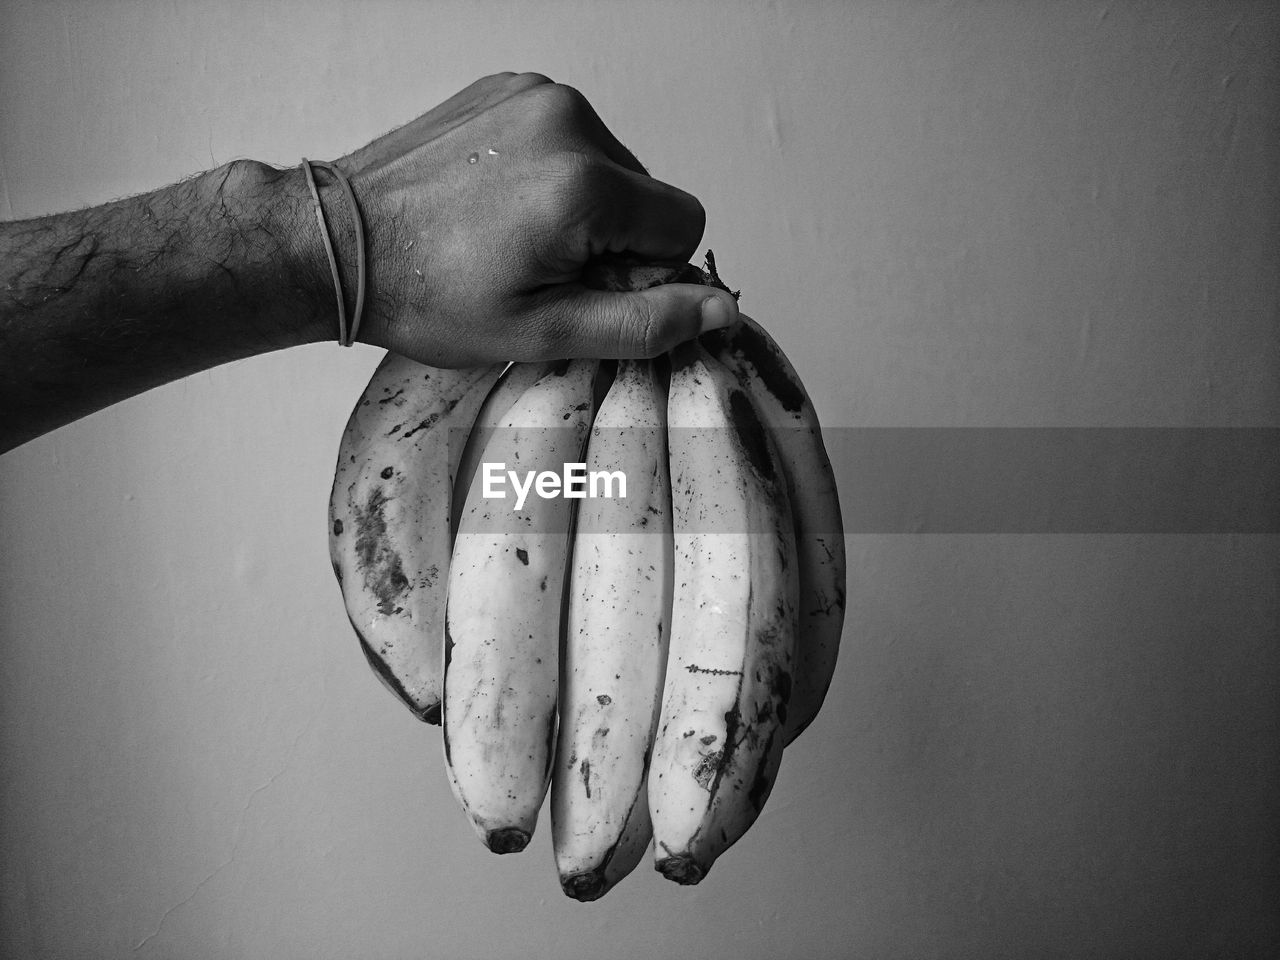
647 218
603 139
592 323
564 119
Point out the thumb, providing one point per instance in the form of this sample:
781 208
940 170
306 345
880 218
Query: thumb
644 323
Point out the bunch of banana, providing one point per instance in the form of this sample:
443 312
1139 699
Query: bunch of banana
644 657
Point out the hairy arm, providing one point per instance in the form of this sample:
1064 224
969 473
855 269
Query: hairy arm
480 218
100 304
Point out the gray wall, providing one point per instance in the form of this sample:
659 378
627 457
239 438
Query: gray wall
951 215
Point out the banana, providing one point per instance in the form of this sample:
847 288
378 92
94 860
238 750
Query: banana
503 615
780 398
389 518
733 621
617 627
515 380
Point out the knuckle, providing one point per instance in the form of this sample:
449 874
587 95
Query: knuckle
559 101
528 80
693 226
697 215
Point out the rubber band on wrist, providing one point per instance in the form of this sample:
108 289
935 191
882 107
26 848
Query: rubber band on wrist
345 338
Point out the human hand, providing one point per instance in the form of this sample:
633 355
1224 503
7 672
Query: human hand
483 218
481 214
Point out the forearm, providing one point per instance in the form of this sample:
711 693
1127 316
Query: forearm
101 304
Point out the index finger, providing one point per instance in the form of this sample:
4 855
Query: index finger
647 218
592 130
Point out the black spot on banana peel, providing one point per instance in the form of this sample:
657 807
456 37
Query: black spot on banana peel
745 342
708 769
782 692
377 560
751 434
762 783
732 726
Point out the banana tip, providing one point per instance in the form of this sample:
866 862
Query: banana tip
430 715
583 887
682 868
507 840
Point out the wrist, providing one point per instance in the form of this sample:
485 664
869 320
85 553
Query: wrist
339 223
294 275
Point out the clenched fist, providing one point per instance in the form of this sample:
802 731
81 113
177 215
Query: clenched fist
482 213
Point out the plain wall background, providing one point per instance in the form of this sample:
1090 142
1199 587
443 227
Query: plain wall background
950 214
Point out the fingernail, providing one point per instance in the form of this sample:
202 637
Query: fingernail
717 312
